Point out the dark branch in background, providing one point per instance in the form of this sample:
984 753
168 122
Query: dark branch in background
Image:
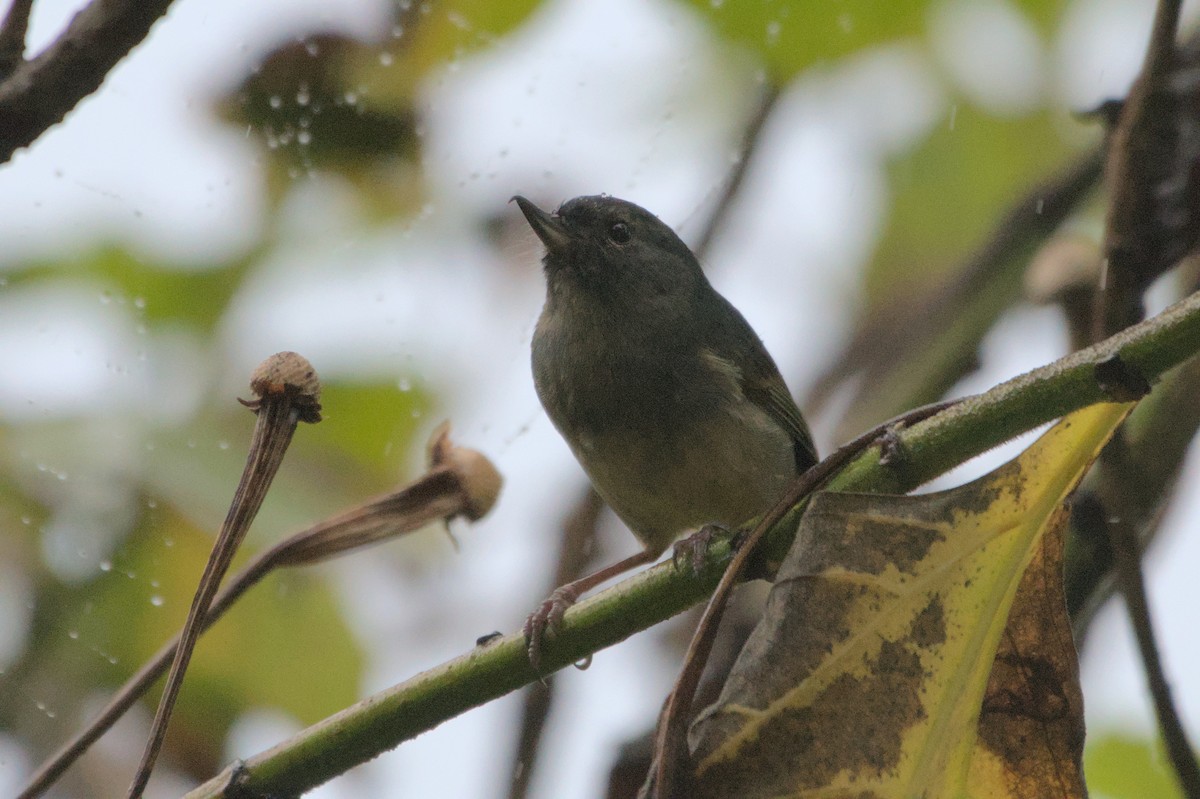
460 482
1127 556
1152 223
732 185
1153 179
574 550
39 92
1158 437
911 329
579 532
12 35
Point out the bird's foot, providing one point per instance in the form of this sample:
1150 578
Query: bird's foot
891 447
694 548
547 619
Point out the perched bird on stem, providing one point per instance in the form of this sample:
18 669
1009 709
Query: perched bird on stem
661 388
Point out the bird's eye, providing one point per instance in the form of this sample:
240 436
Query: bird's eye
619 233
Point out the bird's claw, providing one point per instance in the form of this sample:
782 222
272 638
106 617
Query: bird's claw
694 548
547 619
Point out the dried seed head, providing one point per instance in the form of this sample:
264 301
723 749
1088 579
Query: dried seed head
287 375
479 479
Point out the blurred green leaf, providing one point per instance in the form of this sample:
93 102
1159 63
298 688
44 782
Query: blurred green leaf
157 291
790 36
328 101
363 445
284 645
452 28
373 423
950 191
1045 14
1122 767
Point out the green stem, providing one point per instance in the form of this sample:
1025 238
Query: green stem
381 722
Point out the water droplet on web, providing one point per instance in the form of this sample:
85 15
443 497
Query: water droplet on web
312 48
773 31
73 635
157 601
106 565
386 59
275 101
304 138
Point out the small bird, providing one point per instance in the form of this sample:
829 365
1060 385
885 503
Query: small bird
666 396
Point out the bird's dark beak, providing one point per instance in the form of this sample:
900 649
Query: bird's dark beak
549 229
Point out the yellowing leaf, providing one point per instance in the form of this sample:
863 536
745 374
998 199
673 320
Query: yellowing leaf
1030 732
866 676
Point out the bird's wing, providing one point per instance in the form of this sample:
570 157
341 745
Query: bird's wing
763 385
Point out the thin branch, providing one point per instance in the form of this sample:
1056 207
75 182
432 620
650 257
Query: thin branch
911 332
39 92
751 138
12 35
973 426
1147 155
1158 437
1127 557
1139 245
579 531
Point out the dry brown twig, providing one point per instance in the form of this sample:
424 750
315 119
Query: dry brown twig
459 482
287 392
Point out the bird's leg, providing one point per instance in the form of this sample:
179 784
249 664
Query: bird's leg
549 615
694 548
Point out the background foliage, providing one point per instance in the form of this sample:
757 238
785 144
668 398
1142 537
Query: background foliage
333 180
